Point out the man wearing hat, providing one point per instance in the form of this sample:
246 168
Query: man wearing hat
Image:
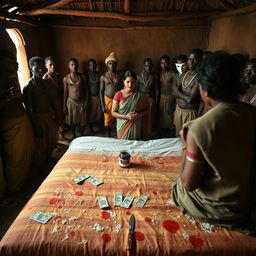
109 85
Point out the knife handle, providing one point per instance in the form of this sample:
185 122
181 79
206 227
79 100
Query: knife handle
130 240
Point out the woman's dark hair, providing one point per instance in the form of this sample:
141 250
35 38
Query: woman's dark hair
129 73
219 75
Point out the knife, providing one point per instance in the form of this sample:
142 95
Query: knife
131 232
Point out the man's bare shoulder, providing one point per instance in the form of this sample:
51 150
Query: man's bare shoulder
65 78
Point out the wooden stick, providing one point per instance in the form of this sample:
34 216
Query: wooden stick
59 4
127 6
226 5
130 28
17 18
245 10
110 15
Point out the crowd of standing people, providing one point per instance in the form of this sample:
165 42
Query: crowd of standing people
137 106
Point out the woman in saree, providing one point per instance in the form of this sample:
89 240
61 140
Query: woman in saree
130 107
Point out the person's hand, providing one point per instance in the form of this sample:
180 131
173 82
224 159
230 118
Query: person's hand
182 137
13 93
132 116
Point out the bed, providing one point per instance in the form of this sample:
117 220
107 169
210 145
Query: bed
80 227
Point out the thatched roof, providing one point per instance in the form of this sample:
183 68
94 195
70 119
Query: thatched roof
136 11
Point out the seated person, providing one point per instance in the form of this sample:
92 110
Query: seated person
131 109
215 182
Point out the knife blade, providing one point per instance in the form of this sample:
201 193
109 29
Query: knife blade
131 232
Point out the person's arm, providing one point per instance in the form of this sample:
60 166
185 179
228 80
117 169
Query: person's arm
102 89
85 90
193 163
177 92
114 112
157 89
65 95
194 93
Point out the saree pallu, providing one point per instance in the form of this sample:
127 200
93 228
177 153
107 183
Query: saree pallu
18 146
134 130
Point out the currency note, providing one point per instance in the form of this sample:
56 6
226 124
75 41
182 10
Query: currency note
141 201
94 181
103 201
41 217
81 178
127 201
118 198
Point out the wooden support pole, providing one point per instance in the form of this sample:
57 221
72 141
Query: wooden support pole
118 16
127 6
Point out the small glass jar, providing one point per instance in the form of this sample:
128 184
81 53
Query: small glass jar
124 159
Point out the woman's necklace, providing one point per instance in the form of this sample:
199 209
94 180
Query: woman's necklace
189 82
146 82
73 83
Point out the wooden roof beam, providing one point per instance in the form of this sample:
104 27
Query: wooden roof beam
59 4
226 5
118 16
127 6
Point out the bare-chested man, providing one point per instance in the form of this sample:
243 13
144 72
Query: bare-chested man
250 81
148 82
167 103
109 85
16 134
39 98
76 96
187 92
93 80
54 79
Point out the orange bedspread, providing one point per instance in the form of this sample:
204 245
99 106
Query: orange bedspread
161 229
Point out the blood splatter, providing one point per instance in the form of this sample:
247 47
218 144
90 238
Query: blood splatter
105 215
171 226
155 193
72 233
57 218
196 241
104 160
137 185
59 206
139 236
106 238
161 163
79 193
54 201
56 194
128 213
147 219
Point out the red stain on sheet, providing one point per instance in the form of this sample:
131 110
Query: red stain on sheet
196 241
72 233
79 193
161 163
105 215
171 226
104 160
137 185
59 206
57 218
128 213
139 236
106 238
54 201
147 219
155 193
56 194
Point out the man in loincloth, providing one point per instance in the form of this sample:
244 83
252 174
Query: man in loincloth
167 101
148 82
187 92
76 96
39 96
93 81
54 79
110 83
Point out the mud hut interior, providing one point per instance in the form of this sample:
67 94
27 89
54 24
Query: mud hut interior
135 35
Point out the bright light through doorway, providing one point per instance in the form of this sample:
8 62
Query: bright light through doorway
23 71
